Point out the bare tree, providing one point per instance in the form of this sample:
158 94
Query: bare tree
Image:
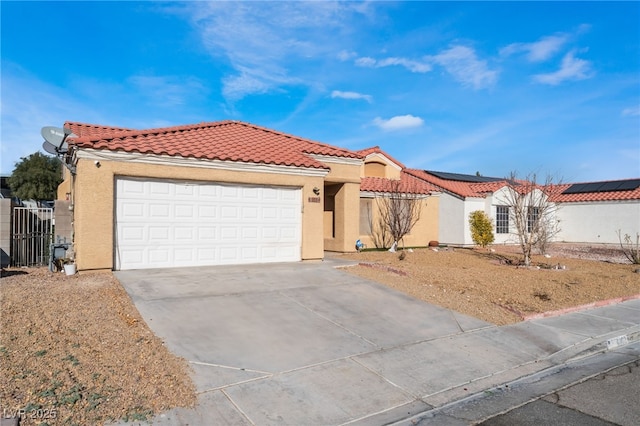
531 212
399 209
378 229
630 249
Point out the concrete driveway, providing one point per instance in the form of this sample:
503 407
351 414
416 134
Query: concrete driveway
309 344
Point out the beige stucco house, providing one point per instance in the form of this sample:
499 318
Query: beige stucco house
219 193
382 175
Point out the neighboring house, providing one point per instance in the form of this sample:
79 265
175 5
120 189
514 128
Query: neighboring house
462 194
378 175
207 194
593 212
589 212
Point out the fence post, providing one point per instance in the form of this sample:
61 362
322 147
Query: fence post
5 231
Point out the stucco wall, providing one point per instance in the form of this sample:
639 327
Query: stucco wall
451 220
94 208
598 222
346 218
377 165
343 184
425 230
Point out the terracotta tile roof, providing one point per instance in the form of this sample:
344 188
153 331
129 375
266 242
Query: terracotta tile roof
408 184
480 189
376 150
460 188
223 140
559 197
94 130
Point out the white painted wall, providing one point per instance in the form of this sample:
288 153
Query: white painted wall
597 222
449 220
454 219
590 222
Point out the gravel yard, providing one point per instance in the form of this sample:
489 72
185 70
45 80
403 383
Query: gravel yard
486 284
74 350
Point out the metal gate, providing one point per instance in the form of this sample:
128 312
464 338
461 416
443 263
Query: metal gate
32 234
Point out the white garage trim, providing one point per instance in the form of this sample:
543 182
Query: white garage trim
204 163
161 223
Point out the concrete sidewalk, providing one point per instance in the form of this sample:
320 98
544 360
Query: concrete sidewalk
307 344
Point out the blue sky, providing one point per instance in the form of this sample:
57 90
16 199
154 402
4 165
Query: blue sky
545 87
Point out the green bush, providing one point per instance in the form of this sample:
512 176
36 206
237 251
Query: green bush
481 228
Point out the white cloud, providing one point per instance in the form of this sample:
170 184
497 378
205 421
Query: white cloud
411 65
366 62
263 41
236 87
345 55
631 112
572 68
167 91
538 51
399 122
463 64
351 95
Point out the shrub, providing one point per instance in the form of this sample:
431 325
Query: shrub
630 249
481 228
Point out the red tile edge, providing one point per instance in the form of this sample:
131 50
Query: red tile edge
579 308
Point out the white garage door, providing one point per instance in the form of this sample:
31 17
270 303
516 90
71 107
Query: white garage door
163 224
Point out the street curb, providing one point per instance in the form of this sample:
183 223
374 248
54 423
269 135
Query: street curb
579 308
505 397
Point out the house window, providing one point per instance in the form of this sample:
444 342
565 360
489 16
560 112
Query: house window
366 216
374 169
502 219
533 214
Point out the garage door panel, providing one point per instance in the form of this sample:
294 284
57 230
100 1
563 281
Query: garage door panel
159 189
160 234
132 188
164 224
158 210
250 193
288 233
133 234
269 232
207 212
206 233
269 213
287 213
157 256
184 191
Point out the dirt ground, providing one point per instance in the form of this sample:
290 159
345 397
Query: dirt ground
487 285
74 350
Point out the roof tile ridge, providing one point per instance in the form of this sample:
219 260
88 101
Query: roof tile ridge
121 133
298 138
367 151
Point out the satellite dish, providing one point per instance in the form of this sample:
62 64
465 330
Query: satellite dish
49 147
53 135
